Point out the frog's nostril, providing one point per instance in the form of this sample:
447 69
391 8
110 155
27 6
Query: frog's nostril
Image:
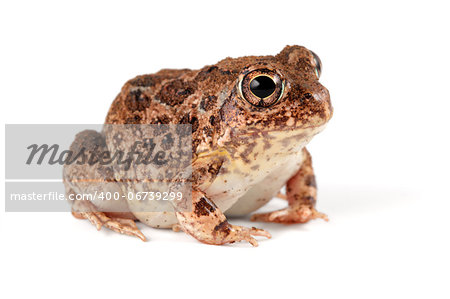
308 96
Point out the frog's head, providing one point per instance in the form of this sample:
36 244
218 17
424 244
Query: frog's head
278 93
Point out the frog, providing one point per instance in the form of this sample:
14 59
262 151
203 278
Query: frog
250 119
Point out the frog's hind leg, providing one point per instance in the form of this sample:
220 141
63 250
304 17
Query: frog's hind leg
301 194
86 210
83 178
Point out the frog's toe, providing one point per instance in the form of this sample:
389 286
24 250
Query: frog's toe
241 233
86 210
290 215
176 227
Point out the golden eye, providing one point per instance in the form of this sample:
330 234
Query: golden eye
262 88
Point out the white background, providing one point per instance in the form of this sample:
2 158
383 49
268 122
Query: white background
382 164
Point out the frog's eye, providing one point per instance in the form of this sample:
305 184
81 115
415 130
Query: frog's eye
261 88
317 64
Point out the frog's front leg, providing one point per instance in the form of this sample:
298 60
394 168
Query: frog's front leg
301 193
208 224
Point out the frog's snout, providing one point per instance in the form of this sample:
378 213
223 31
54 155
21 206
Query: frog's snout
322 105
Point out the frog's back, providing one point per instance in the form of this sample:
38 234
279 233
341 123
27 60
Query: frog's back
153 98
173 96
181 96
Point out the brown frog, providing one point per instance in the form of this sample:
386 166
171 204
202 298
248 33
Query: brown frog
251 118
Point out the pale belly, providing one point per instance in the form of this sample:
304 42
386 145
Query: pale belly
236 192
240 194
242 187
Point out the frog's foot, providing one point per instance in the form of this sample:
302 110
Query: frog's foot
241 233
290 215
208 224
224 233
86 210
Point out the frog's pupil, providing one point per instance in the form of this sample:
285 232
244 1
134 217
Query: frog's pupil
262 86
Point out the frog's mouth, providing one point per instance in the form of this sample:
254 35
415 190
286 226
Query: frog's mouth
287 131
